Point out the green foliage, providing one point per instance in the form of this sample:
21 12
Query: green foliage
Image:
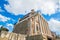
3 29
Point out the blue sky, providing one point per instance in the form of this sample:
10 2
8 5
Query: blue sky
11 10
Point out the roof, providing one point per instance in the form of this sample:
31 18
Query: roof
27 15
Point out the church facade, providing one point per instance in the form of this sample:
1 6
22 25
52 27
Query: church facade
34 26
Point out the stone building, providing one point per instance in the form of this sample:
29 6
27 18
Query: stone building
54 35
34 26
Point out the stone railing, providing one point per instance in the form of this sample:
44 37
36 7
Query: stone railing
12 36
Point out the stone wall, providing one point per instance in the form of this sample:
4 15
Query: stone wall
12 36
35 37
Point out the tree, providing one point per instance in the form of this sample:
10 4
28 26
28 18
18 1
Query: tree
3 29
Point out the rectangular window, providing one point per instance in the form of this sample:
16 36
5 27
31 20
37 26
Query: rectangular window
37 27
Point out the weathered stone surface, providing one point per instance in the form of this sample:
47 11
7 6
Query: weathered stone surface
3 38
12 36
35 37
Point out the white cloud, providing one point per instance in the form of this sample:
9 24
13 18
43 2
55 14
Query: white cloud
54 25
10 27
20 6
49 8
3 18
0 25
59 6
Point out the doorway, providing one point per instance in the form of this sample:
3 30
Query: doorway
49 38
